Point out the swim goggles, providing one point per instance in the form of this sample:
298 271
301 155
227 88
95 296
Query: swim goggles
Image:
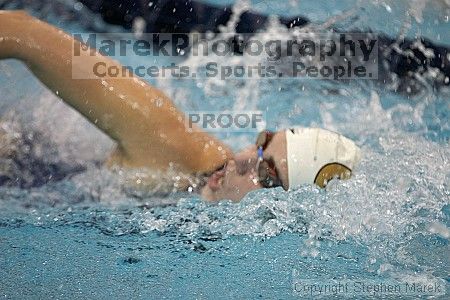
265 167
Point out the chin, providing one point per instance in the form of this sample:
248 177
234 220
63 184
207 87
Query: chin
207 194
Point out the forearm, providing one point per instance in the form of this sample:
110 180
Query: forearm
149 129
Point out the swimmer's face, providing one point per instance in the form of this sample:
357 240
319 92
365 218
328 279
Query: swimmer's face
240 175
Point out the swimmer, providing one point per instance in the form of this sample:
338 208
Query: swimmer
151 132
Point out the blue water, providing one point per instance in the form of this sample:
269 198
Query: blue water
88 237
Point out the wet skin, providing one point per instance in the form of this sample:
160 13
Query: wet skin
153 136
150 131
240 176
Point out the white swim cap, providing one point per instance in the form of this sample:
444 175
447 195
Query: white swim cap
317 155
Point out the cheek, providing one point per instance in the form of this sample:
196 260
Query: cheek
233 179
240 183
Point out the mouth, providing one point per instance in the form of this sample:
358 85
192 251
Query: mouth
216 179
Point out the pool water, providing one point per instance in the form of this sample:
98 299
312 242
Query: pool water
70 229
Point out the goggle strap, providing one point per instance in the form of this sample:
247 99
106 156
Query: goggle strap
260 153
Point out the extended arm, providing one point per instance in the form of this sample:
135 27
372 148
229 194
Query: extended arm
149 129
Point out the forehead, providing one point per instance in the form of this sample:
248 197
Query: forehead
276 149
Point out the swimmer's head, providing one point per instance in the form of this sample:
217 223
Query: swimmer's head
286 158
317 155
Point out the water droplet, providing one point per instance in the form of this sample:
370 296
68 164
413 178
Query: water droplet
78 6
